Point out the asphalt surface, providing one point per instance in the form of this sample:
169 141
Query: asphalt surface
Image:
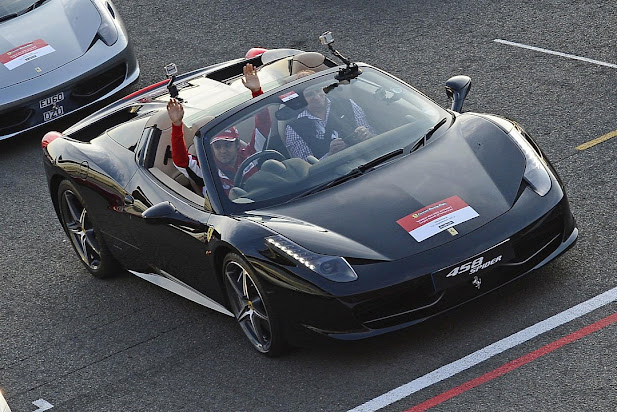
83 344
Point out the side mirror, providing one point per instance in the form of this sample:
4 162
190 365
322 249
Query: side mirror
457 88
166 213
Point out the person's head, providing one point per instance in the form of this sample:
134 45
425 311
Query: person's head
225 146
315 98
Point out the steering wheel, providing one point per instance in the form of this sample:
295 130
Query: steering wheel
266 154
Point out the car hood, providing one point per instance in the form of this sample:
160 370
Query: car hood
58 32
473 160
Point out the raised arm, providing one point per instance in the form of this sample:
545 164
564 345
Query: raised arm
251 80
263 122
179 153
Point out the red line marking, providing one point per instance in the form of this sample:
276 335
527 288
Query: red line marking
510 366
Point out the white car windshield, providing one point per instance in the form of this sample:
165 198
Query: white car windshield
305 136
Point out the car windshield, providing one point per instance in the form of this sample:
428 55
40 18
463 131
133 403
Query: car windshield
315 133
13 8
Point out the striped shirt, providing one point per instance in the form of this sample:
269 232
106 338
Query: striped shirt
297 146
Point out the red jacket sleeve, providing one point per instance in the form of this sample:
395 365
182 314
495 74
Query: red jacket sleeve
179 153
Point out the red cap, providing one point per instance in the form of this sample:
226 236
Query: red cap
229 135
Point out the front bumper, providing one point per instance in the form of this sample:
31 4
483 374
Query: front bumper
417 298
100 73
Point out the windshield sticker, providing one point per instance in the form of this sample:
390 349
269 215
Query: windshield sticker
437 217
288 96
25 53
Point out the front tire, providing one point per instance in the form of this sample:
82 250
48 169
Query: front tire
85 238
251 307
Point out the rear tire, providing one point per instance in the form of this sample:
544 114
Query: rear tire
251 307
83 233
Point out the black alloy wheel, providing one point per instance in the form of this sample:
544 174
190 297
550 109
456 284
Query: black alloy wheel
250 307
79 227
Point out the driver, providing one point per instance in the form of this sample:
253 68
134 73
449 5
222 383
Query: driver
228 150
326 126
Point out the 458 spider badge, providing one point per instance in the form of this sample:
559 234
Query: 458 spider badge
474 266
472 269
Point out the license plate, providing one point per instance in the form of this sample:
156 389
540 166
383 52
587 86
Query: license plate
476 266
57 111
51 100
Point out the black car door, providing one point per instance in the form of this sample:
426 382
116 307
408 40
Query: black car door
168 248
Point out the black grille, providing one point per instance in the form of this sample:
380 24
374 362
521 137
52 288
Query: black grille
412 295
538 234
15 121
95 87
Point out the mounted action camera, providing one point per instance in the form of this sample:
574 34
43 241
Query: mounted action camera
171 69
326 38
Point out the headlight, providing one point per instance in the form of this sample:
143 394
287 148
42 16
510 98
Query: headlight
334 268
107 30
536 171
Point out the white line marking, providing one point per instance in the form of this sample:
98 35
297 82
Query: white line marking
43 405
569 56
487 352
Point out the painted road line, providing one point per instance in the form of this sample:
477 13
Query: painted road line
556 53
598 140
487 352
517 363
43 405
593 142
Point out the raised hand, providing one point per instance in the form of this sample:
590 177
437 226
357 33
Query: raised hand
175 111
250 79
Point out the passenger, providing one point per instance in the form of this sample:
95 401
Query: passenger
325 126
228 151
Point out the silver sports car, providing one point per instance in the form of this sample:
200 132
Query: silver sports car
59 56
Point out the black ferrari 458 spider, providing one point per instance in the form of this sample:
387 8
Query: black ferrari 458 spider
367 214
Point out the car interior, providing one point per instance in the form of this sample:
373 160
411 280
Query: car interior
163 168
279 174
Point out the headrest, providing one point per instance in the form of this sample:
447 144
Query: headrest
308 61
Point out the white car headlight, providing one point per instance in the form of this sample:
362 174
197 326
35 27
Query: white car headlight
536 171
334 268
107 30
